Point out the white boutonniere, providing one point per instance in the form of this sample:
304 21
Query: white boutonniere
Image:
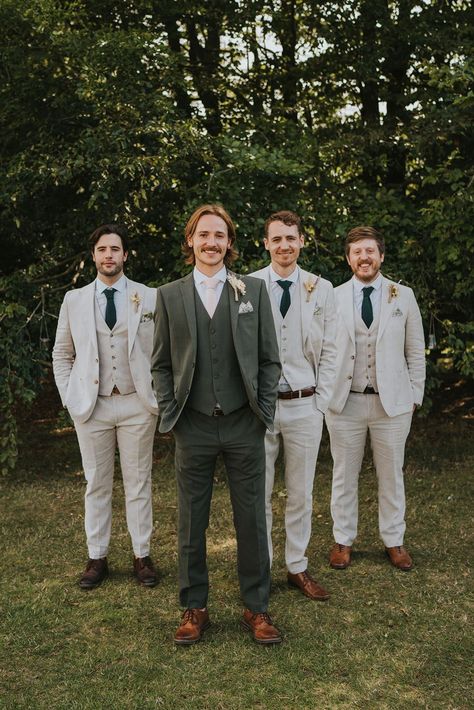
310 285
237 285
136 300
392 292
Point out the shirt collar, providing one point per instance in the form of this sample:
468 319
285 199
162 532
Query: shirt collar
200 278
119 285
293 277
359 285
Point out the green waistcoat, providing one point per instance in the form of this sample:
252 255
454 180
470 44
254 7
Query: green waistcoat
217 378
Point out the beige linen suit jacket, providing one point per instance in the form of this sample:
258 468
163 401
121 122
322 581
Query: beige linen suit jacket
400 349
318 322
76 354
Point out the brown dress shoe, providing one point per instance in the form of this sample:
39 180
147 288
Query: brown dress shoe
308 586
399 557
261 626
145 571
340 556
94 574
193 624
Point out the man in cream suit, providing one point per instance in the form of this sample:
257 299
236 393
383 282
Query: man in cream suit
304 313
380 381
101 363
215 369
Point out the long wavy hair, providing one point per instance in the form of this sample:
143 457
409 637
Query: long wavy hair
217 210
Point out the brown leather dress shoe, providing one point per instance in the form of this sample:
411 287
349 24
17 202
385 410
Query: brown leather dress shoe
399 557
193 624
145 572
94 574
340 556
308 586
261 626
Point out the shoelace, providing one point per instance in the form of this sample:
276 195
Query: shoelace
263 616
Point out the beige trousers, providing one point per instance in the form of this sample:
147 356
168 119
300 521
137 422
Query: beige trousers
348 431
299 424
118 421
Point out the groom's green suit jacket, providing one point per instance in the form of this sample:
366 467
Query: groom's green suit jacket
175 344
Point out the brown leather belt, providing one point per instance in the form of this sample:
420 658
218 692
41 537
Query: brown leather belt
297 394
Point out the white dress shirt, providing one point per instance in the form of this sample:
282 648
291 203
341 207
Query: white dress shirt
120 296
200 280
375 296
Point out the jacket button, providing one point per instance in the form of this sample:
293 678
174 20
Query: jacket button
349 377
353 357
96 382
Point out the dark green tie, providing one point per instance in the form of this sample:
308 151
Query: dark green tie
285 299
110 312
367 312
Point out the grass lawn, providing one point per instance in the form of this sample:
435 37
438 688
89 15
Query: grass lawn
385 639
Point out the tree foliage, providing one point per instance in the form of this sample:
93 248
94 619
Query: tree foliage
347 112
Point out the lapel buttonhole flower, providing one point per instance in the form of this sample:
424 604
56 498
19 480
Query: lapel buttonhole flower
392 292
136 300
310 285
237 285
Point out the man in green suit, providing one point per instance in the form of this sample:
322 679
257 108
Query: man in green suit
215 369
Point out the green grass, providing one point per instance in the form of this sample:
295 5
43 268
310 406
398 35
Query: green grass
385 639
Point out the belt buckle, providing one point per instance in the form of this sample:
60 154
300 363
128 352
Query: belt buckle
217 412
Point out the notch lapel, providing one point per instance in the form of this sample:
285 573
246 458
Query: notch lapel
88 313
346 308
186 286
307 304
134 311
386 308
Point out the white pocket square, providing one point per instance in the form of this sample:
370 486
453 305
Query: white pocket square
245 307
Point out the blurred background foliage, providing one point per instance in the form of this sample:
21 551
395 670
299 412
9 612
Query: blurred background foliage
346 112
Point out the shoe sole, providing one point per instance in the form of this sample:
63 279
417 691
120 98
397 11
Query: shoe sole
334 566
191 642
402 569
315 599
147 584
263 642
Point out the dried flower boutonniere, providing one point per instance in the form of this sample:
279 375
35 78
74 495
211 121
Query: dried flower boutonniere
136 300
392 292
310 286
237 285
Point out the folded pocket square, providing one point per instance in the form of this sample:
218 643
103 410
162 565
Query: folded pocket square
245 307
146 317
397 312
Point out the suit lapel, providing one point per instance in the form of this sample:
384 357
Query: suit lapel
233 310
307 304
135 297
186 286
386 308
88 313
346 307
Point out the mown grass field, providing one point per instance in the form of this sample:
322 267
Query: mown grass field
385 639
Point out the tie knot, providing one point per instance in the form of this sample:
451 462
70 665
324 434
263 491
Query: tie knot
367 290
285 285
211 283
109 293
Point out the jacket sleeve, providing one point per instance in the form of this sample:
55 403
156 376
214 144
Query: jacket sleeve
269 367
64 352
161 364
415 349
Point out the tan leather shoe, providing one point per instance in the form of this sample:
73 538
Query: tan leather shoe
193 624
261 626
94 574
399 557
340 556
145 572
308 586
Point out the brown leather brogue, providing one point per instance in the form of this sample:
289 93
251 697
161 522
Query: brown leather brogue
399 558
193 624
94 574
145 572
262 627
308 586
340 556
